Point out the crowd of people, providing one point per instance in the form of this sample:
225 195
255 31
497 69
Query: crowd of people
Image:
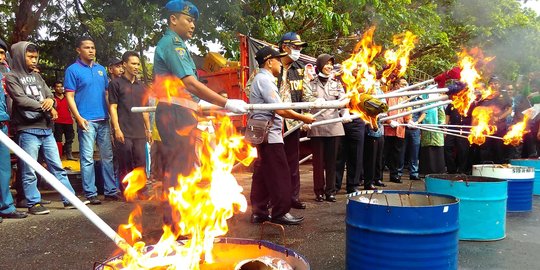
353 153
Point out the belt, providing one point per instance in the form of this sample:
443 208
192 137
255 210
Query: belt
186 103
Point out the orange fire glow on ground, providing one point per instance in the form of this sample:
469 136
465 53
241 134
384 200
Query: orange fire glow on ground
204 200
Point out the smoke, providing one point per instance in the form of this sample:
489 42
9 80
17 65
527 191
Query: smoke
501 28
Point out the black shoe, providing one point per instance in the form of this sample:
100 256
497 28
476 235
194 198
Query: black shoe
45 201
69 156
330 198
14 214
298 205
94 200
349 191
379 183
412 177
38 209
370 187
255 219
396 180
288 219
319 198
68 205
115 197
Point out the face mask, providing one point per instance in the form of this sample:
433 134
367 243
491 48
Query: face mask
294 55
323 75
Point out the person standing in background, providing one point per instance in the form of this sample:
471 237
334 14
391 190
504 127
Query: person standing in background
63 126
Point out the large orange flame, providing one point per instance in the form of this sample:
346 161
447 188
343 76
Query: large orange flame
468 63
204 200
515 133
481 125
360 73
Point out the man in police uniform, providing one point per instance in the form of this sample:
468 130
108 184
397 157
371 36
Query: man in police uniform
178 114
293 86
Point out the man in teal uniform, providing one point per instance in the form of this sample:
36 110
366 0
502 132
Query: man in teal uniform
176 117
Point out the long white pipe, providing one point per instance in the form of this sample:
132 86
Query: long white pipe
413 86
409 93
55 183
445 125
442 103
415 103
437 130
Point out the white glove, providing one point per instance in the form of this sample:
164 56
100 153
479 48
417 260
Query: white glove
346 117
236 105
412 124
394 123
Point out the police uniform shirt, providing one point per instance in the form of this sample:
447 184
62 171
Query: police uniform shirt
264 90
172 58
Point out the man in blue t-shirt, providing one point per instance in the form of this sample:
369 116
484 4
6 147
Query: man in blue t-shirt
85 84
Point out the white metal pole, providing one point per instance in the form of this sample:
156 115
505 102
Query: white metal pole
409 93
442 103
415 103
413 86
55 183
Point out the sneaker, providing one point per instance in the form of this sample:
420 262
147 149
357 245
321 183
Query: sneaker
38 209
68 205
94 200
114 197
15 215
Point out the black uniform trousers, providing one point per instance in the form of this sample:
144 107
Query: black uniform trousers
351 153
324 164
67 131
373 163
456 155
271 183
292 151
393 147
131 154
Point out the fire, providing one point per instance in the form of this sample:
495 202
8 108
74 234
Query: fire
515 133
469 61
481 127
360 73
204 200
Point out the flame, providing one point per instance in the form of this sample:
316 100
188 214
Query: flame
360 73
515 133
468 62
204 200
481 125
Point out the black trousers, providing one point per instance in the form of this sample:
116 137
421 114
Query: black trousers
493 150
393 146
373 163
324 164
456 155
292 151
67 131
271 181
130 154
351 154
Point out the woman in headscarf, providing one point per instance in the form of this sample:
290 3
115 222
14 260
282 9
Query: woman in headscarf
324 139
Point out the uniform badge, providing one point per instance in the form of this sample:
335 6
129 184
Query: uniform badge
100 73
180 51
300 72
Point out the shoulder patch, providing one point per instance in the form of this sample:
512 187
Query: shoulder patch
181 51
100 73
300 72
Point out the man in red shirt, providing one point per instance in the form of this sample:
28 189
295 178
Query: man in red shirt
64 124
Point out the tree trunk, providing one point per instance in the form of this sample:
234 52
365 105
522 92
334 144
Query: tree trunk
143 60
26 19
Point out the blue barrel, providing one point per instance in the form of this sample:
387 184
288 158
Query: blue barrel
482 203
401 230
520 183
530 162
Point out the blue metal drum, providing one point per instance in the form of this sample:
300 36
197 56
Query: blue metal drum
482 204
530 162
401 230
520 183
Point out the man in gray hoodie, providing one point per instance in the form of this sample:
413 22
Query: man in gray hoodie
33 114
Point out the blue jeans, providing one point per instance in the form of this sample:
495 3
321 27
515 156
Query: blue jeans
31 143
6 200
98 132
412 147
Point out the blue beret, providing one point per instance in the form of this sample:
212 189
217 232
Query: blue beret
184 7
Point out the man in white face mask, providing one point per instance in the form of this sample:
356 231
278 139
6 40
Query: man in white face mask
293 84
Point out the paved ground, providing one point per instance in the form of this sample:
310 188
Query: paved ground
64 239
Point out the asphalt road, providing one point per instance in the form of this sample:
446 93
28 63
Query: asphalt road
65 239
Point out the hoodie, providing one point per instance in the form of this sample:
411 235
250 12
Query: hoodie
27 89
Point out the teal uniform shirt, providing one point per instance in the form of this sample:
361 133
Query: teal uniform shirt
172 57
